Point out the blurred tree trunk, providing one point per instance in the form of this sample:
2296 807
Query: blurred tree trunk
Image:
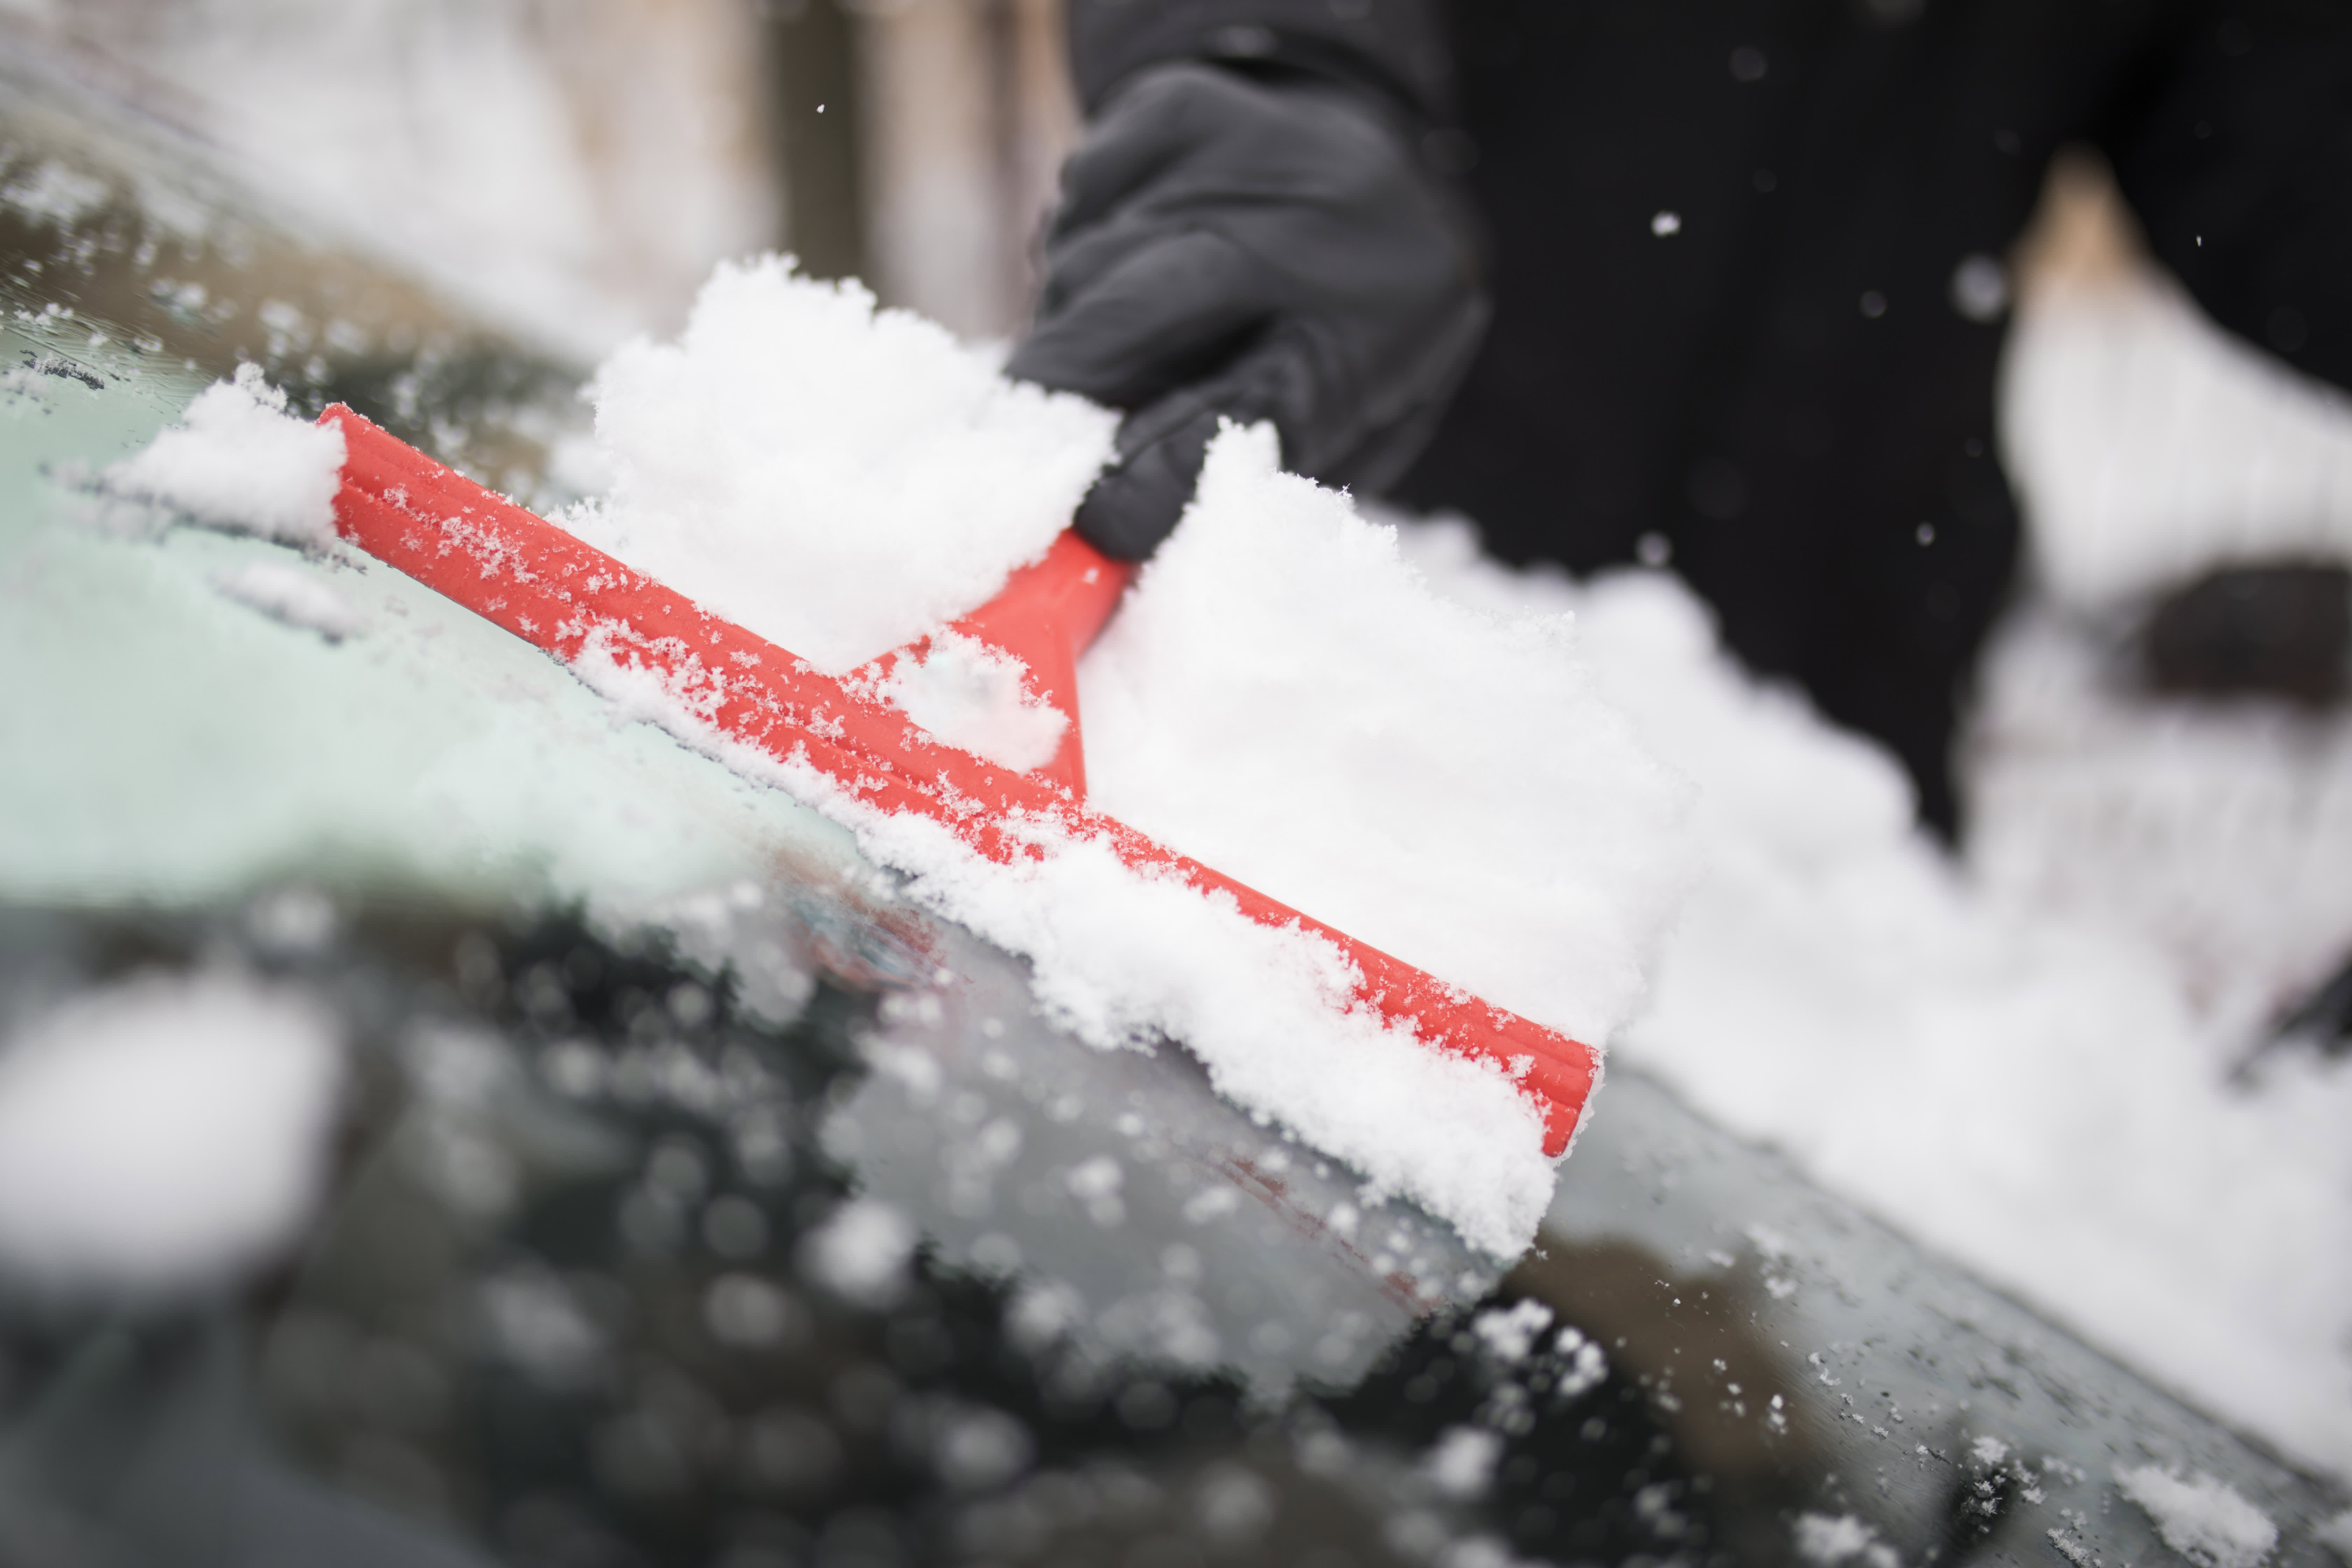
966 116
815 114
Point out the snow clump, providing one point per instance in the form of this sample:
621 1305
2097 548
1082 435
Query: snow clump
976 697
1123 958
1285 699
163 1133
1510 1334
1829 1539
238 461
838 480
861 1252
2203 1520
1461 1463
289 593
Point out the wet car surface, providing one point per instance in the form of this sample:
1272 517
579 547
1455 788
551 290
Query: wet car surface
748 1215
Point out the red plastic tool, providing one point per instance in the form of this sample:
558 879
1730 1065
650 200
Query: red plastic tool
558 593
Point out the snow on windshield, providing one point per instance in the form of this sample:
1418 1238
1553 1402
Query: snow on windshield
162 1133
2030 1091
236 460
2203 1520
214 710
1281 698
837 479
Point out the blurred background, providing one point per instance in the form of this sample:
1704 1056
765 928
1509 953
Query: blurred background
582 164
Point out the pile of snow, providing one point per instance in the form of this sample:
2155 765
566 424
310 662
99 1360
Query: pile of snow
2032 1091
1124 959
163 1133
861 1251
2203 1520
2152 445
840 480
977 697
237 460
1282 698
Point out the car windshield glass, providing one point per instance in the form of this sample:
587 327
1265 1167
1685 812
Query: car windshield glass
695 1198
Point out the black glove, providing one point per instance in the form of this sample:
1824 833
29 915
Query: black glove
1250 248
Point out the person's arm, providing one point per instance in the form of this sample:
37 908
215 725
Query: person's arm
2233 145
1253 230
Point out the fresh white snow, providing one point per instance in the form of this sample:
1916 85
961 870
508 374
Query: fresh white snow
2027 1088
1284 698
861 1251
837 478
162 1133
977 697
2025 1056
1832 1539
297 596
238 460
2203 1520
1510 1334
1123 959
1461 1463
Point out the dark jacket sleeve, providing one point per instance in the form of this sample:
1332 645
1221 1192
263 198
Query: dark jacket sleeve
1396 47
2233 144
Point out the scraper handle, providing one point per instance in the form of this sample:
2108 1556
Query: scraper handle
1049 613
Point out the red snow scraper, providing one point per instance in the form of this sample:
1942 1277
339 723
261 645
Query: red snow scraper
560 595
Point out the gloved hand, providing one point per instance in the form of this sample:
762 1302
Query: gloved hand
1254 249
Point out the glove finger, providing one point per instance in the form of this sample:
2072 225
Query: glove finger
1151 126
1134 506
1151 321
1076 262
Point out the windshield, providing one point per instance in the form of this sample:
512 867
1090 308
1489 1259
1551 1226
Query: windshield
691 1198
